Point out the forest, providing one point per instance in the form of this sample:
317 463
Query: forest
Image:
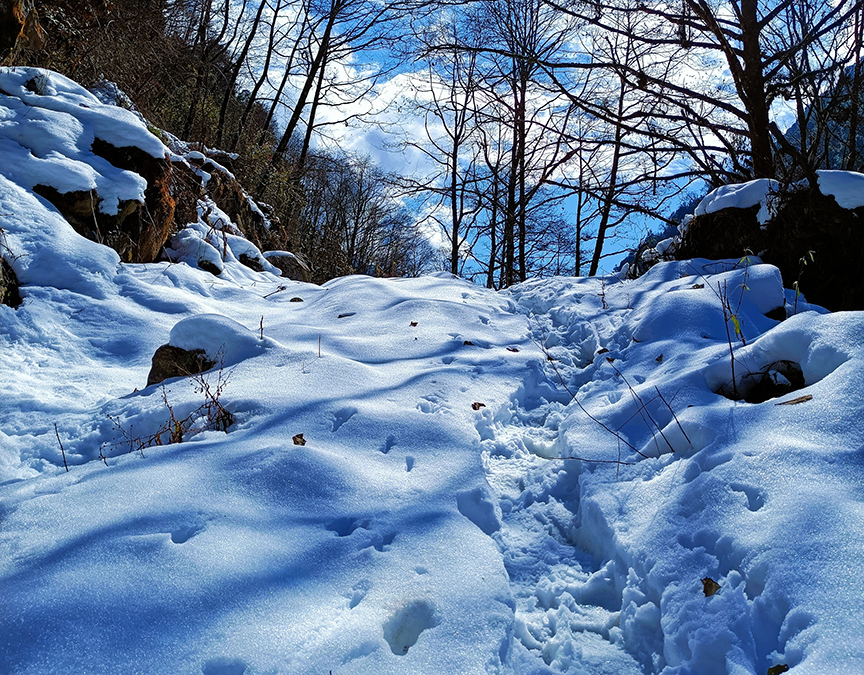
499 140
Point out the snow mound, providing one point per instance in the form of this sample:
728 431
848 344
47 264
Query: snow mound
221 338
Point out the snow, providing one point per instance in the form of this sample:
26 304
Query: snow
741 196
421 475
846 187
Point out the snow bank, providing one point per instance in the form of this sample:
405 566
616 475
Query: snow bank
846 187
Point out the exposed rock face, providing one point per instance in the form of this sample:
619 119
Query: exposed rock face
171 361
137 231
9 294
290 265
729 233
147 228
186 189
806 220
19 28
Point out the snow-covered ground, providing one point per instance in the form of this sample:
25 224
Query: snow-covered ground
536 481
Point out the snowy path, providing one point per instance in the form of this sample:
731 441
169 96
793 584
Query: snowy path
605 562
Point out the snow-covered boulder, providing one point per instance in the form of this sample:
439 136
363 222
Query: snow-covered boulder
97 164
814 235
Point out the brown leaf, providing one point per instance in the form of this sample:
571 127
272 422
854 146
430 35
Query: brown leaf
779 668
602 351
709 586
796 401
299 440
296 300
468 343
477 405
695 286
413 324
659 359
512 349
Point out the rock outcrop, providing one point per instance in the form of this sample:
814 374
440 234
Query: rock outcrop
169 361
803 221
9 294
19 28
227 193
138 230
291 266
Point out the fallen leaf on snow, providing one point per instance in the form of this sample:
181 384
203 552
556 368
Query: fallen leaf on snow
299 440
709 586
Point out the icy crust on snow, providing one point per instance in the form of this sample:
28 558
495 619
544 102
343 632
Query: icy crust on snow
448 507
46 137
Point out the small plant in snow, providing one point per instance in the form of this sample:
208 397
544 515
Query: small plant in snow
802 263
211 415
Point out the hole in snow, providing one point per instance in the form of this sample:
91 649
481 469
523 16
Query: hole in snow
403 628
755 500
345 526
342 416
184 534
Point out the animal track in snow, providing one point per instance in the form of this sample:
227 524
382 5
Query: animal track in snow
477 507
342 416
409 463
755 499
343 527
388 444
379 542
183 534
403 628
358 593
430 403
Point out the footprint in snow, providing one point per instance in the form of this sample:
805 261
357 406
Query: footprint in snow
388 444
343 527
755 498
183 534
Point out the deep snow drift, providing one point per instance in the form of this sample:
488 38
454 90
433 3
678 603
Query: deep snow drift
436 520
